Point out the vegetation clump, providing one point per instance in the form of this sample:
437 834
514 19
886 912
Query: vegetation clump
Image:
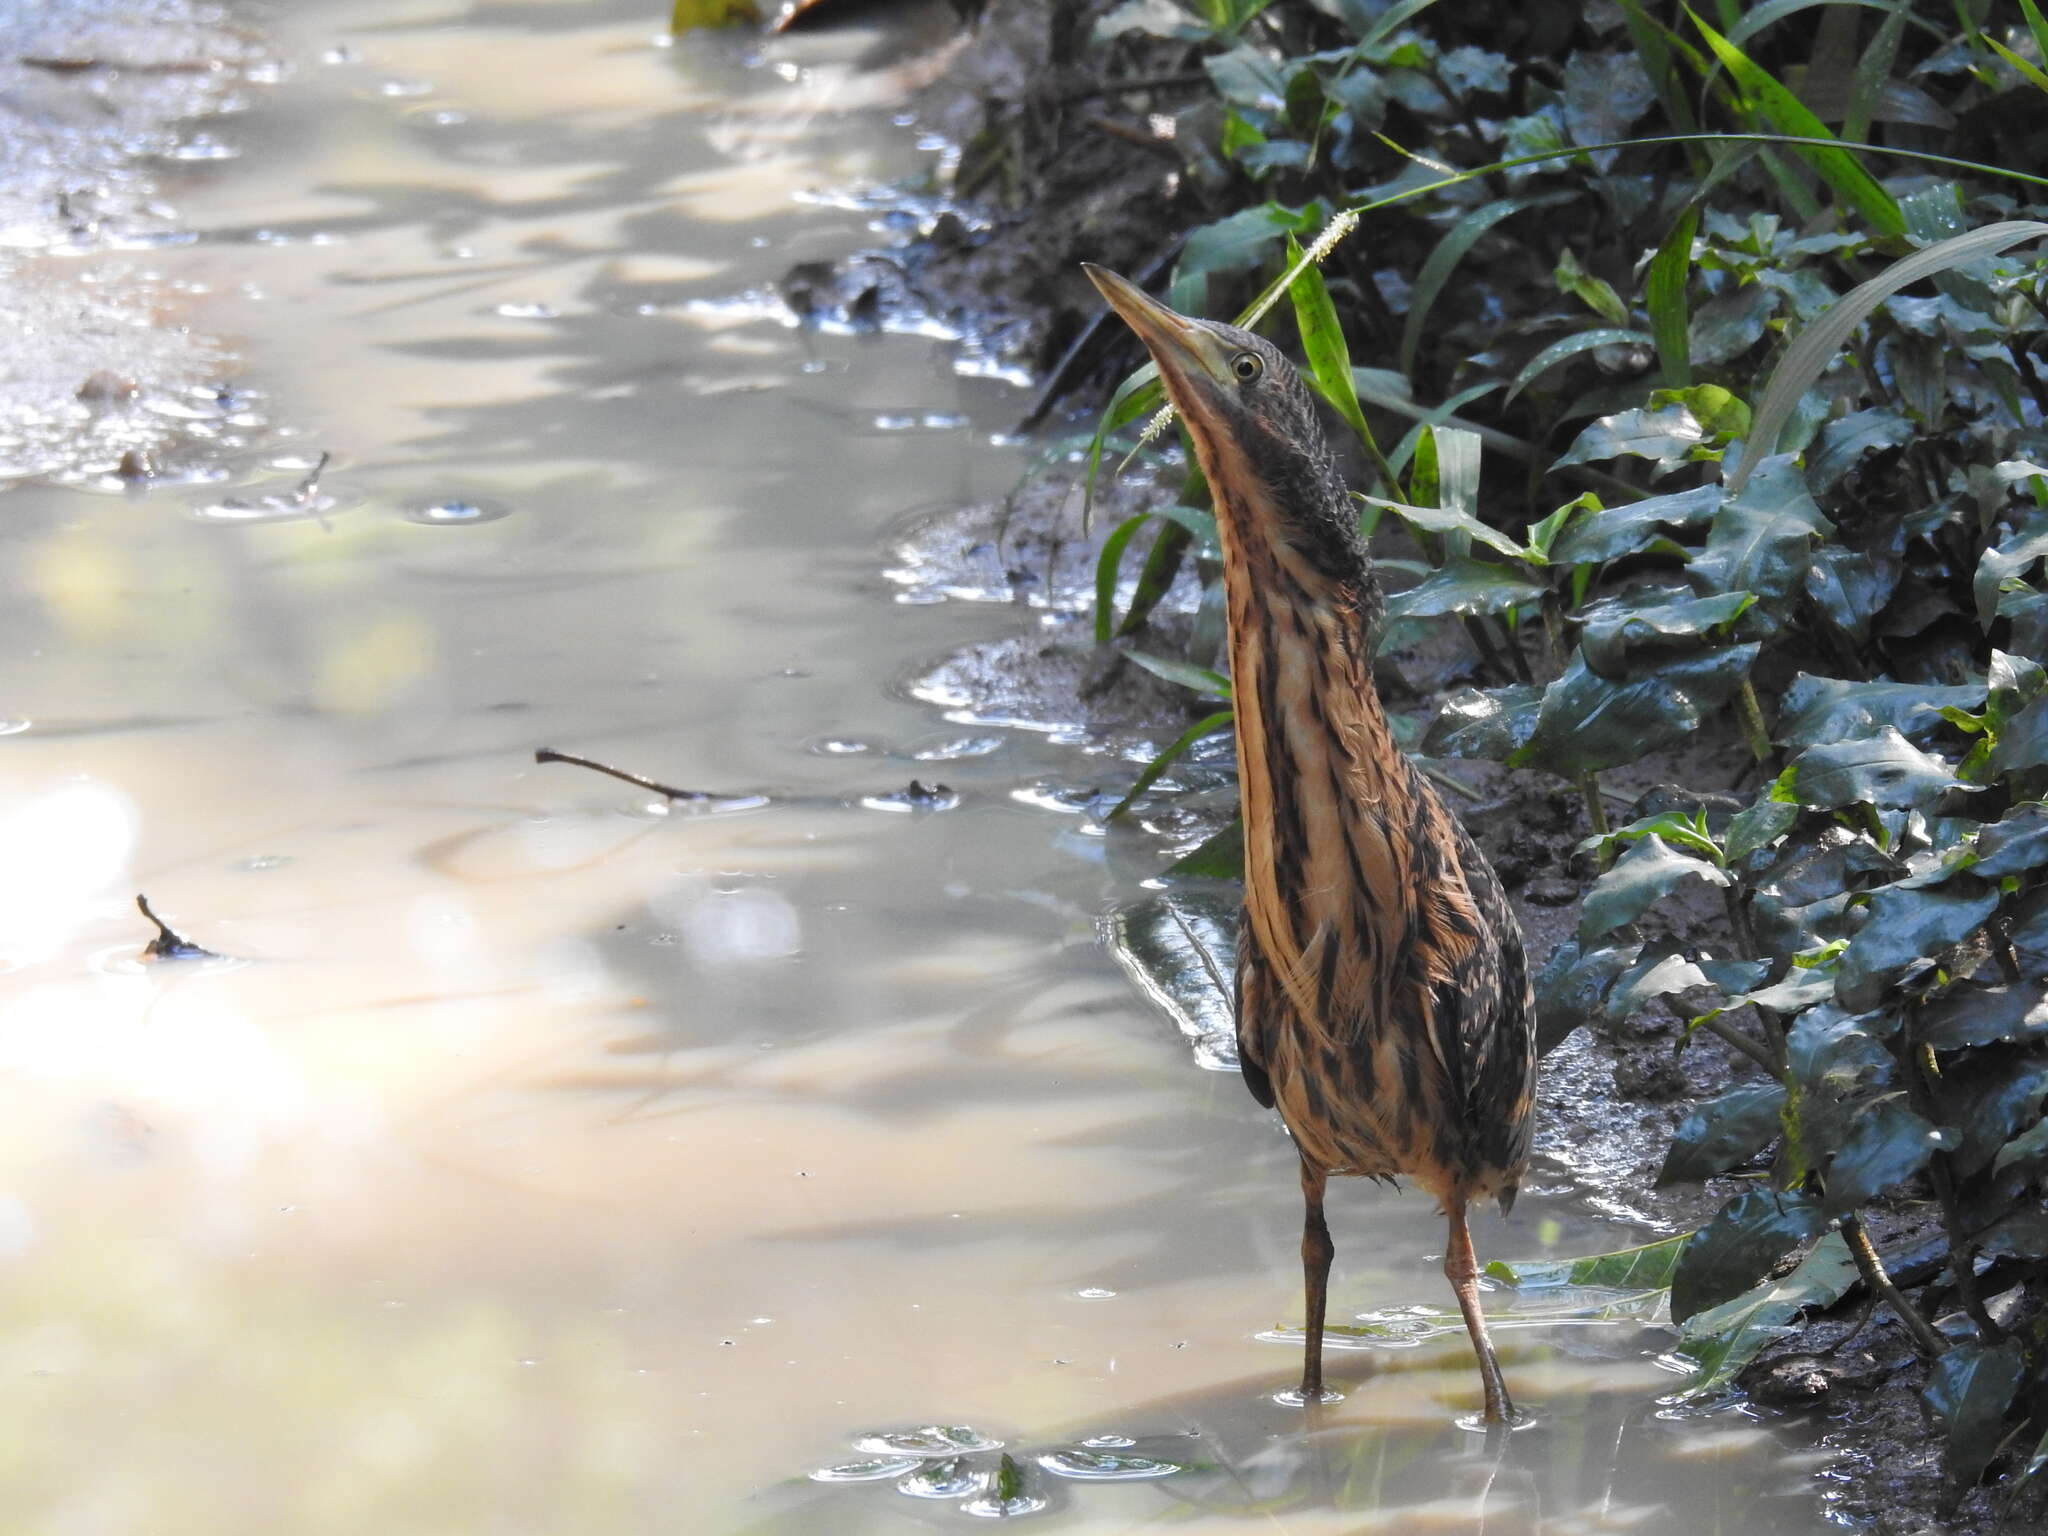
1711 389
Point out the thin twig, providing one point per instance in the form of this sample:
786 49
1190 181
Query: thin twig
550 755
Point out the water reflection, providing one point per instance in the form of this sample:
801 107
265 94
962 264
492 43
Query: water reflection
546 1163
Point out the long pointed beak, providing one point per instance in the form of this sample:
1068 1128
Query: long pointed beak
1181 347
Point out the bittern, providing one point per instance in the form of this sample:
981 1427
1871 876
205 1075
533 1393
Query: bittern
1383 999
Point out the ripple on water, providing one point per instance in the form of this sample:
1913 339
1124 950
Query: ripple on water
1101 1467
455 511
866 1471
925 1440
953 1478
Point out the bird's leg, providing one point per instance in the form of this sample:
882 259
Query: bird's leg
1316 1252
1462 1270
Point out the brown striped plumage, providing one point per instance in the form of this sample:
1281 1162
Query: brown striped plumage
1383 1000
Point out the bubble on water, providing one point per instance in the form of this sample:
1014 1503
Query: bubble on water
916 796
837 746
404 88
1094 1292
953 1478
925 1440
455 511
530 311
866 1471
1095 1466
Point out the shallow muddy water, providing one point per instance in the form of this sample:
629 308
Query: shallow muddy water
544 1159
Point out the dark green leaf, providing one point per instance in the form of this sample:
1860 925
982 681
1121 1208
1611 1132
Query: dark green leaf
1242 241
1107 565
1640 878
1664 297
1843 442
1661 971
1612 532
1735 1250
2023 744
2013 846
1449 520
1442 260
1667 437
1730 324
1489 723
1572 987
1991 1095
1322 342
1761 540
1971 1387
1883 769
1723 1132
1832 709
1977 1015
1617 630
1208 726
1850 587
2030 1146
1572 346
1156 576
1885 1144
1647 1268
1596 293
1588 722
1465 587
1758 827
1908 924
1724 1339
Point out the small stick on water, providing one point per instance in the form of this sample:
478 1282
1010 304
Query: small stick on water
169 944
550 755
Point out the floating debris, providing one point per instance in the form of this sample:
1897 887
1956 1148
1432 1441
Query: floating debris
169 944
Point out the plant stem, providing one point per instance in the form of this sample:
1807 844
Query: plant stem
1871 1267
1596 812
1753 721
1735 1039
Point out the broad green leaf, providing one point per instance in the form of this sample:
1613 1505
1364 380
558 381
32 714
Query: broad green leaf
1975 1015
1729 324
1647 1268
1243 240
1469 587
2013 846
1640 878
1735 1250
1587 722
2023 744
1660 971
1572 346
1723 1132
1200 679
1817 709
1484 723
1907 924
1613 532
1882 769
1207 726
1632 625
1572 987
1758 827
1971 1387
1843 443
1815 347
1762 539
1991 1095
1850 587
1449 520
1666 437
1724 1339
1886 1144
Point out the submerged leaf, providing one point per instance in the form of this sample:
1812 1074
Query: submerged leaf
1647 1268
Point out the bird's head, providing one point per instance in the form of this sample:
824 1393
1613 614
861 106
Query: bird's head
1255 429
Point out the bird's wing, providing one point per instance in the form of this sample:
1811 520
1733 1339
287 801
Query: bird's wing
1490 1031
1255 1000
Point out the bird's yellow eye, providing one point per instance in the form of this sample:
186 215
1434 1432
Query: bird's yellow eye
1247 366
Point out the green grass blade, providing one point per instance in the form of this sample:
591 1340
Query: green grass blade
1775 11
1442 261
1664 297
1199 679
1135 397
1874 71
2025 66
2036 25
1809 355
1155 579
1207 726
1838 168
1570 346
1322 341
1107 565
